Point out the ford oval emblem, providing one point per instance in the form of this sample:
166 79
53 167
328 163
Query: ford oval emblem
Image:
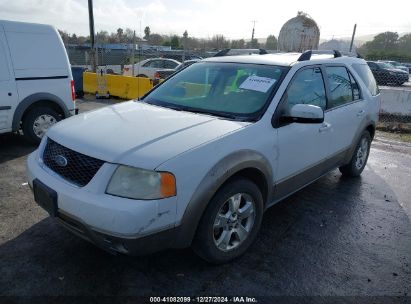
60 160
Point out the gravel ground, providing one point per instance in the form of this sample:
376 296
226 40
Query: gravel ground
338 240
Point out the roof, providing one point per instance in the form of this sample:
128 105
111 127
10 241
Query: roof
281 59
16 26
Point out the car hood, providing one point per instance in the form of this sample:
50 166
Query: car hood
139 134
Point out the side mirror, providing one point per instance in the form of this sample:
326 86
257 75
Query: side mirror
304 113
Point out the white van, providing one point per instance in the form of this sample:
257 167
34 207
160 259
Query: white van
36 85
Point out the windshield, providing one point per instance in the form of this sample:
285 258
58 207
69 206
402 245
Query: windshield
232 90
394 63
385 65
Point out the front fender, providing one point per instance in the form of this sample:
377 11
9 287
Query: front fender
212 181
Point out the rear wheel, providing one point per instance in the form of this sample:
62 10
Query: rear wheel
37 122
360 157
230 223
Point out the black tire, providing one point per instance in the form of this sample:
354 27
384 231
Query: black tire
30 118
352 169
204 244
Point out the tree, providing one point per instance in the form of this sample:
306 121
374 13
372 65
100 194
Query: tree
383 41
102 37
254 44
404 43
120 32
237 44
174 42
271 43
147 33
156 39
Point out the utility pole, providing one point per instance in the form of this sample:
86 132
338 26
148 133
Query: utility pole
185 35
132 53
93 57
252 34
353 35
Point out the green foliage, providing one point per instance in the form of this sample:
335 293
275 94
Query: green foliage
147 33
174 42
388 45
271 43
238 44
254 44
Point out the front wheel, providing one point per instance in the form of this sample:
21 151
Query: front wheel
230 222
360 157
37 122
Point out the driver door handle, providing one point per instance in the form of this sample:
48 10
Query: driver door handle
360 113
324 127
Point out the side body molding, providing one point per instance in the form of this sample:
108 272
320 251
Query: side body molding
213 180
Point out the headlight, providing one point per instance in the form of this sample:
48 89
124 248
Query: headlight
143 184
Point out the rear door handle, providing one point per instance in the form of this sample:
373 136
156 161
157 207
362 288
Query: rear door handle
361 113
324 127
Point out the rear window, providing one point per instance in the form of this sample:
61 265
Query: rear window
367 77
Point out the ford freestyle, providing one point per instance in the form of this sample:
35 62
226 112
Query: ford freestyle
198 159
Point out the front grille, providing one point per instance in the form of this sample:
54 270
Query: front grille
73 166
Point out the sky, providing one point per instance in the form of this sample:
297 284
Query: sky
205 18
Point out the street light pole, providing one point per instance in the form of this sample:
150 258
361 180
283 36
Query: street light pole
93 57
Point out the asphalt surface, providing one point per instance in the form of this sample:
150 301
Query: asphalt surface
339 239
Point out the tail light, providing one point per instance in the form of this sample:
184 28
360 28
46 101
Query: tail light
157 75
73 92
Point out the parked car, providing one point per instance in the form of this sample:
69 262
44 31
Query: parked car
385 73
198 160
396 65
160 75
77 73
147 68
408 65
36 84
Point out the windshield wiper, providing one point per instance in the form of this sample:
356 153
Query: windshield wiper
198 110
214 113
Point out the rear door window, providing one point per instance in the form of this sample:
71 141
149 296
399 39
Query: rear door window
168 64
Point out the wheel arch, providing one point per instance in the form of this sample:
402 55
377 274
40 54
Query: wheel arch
35 100
244 163
369 126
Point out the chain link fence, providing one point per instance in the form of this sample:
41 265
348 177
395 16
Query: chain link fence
393 78
115 58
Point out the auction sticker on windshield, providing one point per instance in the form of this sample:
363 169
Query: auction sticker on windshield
256 83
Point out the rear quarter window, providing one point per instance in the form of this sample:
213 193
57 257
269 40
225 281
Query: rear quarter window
364 71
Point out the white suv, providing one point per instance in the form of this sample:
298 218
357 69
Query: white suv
199 159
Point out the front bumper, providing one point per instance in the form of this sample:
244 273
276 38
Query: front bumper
113 223
114 244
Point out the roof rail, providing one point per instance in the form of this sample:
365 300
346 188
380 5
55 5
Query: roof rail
232 52
307 54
